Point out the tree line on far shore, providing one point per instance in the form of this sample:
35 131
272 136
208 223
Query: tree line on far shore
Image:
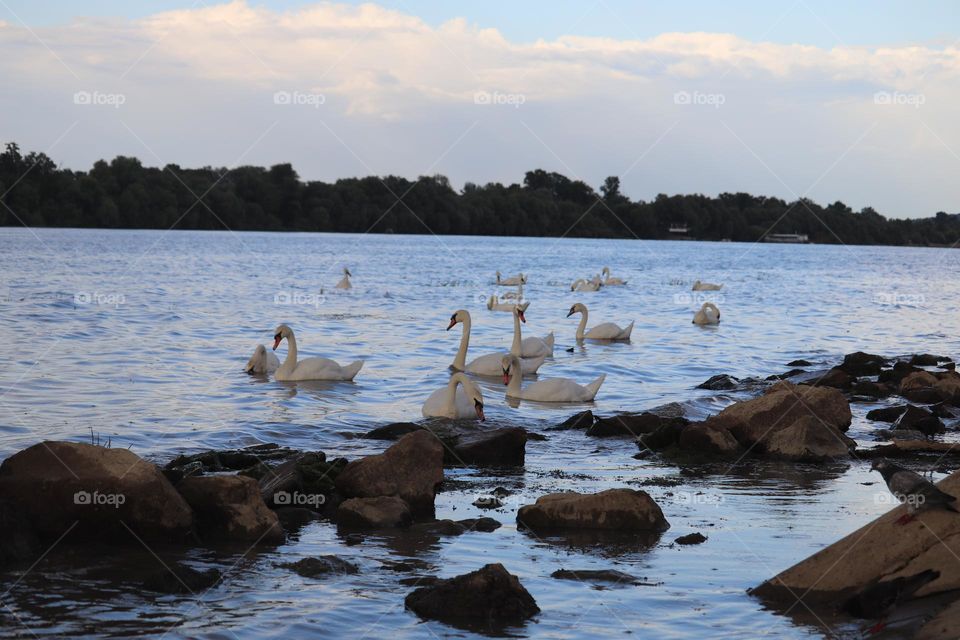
123 193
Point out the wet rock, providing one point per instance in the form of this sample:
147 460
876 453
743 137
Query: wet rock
408 565
382 512
321 567
393 431
497 448
836 378
598 575
411 469
180 579
233 459
800 363
808 439
919 419
703 438
911 448
786 374
632 424
229 508
293 518
19 543
918 387
949 366
176 474
944 411
871 389
307 479
948 389
943 626
783 404
95 492
613 509
490 596
897 373
487 502
886 414
664 437
457 527
880 550
420 581
721 382
862 364
902 434
691 538
582 420
927 360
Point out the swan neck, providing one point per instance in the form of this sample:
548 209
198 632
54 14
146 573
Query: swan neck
460 361
452 394
516 371
583 324
291 360
517 339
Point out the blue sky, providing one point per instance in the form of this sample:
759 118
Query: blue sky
850 101
819 22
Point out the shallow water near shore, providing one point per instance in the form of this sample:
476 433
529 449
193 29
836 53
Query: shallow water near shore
140 337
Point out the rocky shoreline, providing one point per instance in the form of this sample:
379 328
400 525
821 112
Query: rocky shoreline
256 497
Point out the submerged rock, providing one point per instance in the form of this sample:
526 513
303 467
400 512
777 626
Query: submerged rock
919 419
927 360
457 527
836 378
862 364
229 508
19 543
582 420
307 480
321 566
613 509
703 438
382 512
800 363
213 461
691 538
181 579
632 424
393 431
411 469
809 439
598 575
498 447
721 382
886 414
490 597
897 373
871 389
96 493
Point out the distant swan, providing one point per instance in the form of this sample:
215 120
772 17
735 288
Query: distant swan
309 368
494 304
611 282
511 282
460 399
262 361
708 314
551 390
604 331
586 285
515 295
345 280
706 286
489 364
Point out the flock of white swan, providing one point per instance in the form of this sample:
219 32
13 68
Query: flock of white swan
461 397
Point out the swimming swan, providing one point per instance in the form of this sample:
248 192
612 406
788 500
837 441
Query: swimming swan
460 399
706 286
605 331
552 390
586 285
345 280
708 314
309 368
611 282
510 282
488 365
262 361
494 304
529 347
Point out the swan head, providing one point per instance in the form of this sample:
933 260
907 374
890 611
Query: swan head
606 271
491 302
573 287
510 365
523 279
282 332
258 361
473 392
711 311
518 311
577 308
347 273
461 315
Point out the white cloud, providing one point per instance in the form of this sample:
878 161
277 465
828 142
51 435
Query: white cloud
397 93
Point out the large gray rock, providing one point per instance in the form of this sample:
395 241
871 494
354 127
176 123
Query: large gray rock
411 469
612 510
97 493
230 508
490 596
496 448
383 512
705 439
810 440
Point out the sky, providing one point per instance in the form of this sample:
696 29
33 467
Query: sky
850 101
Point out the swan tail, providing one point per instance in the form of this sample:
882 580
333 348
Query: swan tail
550 340
594 387
352 369
628 331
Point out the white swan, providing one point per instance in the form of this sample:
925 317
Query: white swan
512 281
488 365
494 304
586 285
552 390
309 368
345 280
605 331
706 286
461 398
708 314
262 361
610 281
515 295
529 347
